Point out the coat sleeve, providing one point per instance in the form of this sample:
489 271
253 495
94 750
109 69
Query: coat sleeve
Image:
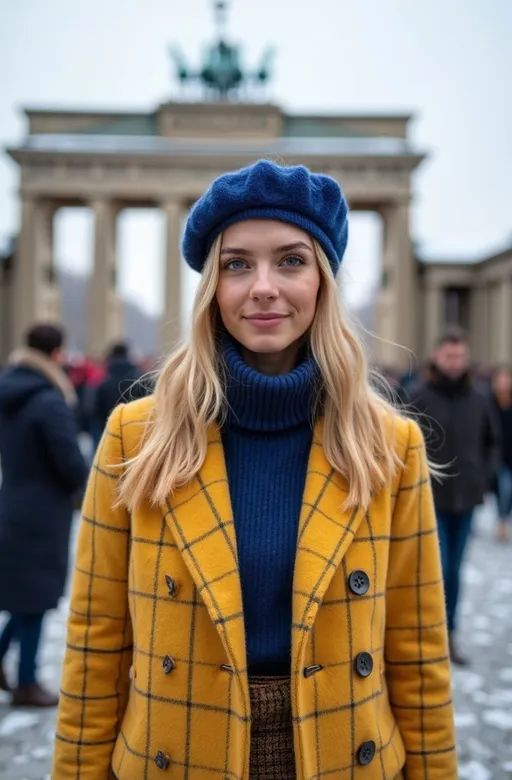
58 425
95 680
416 646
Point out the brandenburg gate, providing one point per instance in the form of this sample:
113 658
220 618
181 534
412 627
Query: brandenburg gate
165 159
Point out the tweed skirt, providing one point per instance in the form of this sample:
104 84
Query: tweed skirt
272 756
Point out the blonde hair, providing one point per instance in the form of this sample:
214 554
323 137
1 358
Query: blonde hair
189 397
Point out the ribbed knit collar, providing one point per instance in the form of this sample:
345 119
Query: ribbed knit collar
259 402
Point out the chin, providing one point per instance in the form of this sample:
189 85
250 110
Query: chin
265 344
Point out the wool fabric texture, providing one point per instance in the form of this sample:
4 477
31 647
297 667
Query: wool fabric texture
267 438
313 202
164 581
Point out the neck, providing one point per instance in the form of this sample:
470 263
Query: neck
261 401
272 363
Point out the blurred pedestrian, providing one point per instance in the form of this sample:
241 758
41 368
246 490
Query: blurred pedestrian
123 383
42 467
483 373
463 438
268 566
85 376
502 398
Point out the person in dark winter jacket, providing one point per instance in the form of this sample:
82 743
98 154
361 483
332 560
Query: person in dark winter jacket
122 383
462 437
42 468
502 400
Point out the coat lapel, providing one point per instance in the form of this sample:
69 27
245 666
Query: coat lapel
201 520
325 533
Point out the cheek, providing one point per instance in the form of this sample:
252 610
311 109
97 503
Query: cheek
305 296
227 298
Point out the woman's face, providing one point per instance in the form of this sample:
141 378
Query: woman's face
268 284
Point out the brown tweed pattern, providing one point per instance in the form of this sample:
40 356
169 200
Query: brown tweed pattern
272 756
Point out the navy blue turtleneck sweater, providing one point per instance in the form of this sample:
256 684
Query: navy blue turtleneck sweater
267 437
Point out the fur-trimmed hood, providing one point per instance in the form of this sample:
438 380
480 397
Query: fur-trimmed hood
30 371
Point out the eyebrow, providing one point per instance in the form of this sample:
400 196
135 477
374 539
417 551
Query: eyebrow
228 250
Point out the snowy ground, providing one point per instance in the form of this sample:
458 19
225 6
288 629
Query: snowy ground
483 694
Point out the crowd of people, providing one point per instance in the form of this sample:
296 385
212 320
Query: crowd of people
249 381
100 384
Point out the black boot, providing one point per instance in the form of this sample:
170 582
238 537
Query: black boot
455 656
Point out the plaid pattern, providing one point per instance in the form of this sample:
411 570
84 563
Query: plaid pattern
155 677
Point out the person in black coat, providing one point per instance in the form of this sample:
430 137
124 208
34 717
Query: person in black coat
502 400
123 383
42 469
462 437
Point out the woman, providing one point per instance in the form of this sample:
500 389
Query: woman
502 397
258 586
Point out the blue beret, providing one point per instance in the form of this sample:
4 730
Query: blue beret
311 201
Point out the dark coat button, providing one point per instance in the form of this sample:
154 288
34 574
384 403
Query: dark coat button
162 760
366 753
309 671
171 586
168 664
359 582
364 664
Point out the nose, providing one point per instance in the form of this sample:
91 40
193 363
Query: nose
263 286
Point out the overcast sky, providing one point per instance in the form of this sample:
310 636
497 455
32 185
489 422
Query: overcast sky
449 62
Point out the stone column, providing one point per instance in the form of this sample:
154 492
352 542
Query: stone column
104 308
504 334
35 295
51 299
396 319
170 326
479 322
434 313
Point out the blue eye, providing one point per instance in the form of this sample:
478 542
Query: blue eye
293 261
235 265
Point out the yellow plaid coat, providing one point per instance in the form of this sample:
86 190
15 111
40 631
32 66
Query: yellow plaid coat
155 681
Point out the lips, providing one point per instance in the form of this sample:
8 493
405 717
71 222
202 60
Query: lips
266 316
268 319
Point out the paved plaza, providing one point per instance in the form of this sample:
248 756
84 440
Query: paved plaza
483 694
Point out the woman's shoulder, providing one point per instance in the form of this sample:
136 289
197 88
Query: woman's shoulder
139 411
404 432
128 422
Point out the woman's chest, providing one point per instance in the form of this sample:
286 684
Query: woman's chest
173 575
